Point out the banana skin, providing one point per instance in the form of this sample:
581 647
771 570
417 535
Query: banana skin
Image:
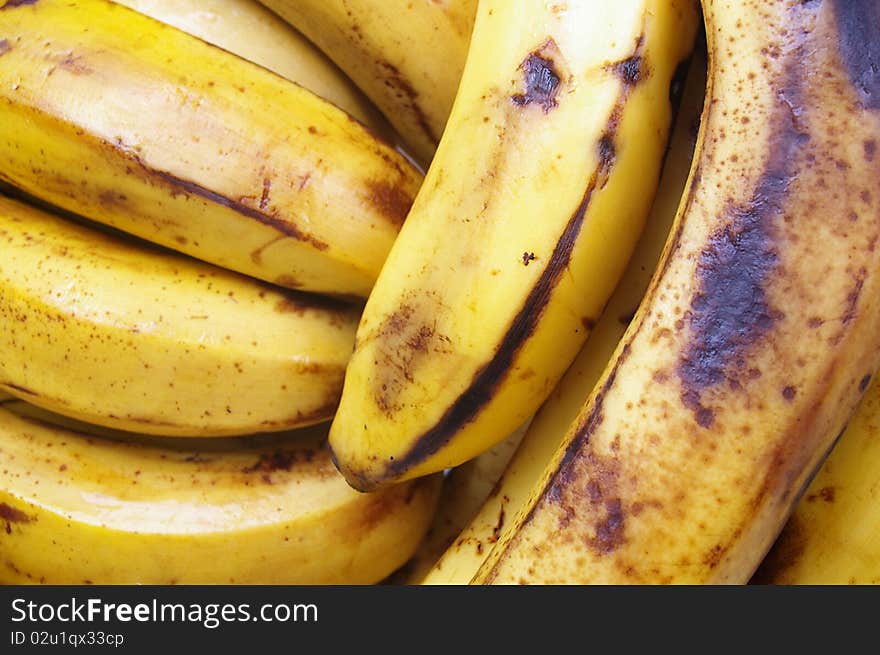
79 509
749 353
219 158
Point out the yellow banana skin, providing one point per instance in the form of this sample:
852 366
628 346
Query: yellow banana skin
461 560
78 509
217 158
478 311
833 536
116 332
407 57
248 29
747 356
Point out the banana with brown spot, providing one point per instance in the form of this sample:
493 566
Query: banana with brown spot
748 355
406 56
120 333
130 122
528 215
79 509
248 29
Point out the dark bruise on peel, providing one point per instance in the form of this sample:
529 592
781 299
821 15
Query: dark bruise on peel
540 81
858 26
731 310
4 47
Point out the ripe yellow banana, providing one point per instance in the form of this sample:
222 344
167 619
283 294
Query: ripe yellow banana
77 509
460 562
465 490
117 117
526 219
407 57
833 536
120 333
758 332
248 29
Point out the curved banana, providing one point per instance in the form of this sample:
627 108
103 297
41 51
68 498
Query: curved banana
407 57
465 490
272 510
220 159
524 224
460 562
833 535
748 354
119 333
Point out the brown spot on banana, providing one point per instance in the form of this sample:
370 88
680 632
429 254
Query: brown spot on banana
389 199
409 334
4 46
541 80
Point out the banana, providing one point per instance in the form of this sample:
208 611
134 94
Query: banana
120 333
248 29
406 57
461 560
561 120
127 121
833 536
78 509
757 334
465 489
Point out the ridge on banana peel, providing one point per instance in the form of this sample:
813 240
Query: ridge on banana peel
249 30
121 333
220 159
461 560
561 118
751 349
406 57
833 535
82 509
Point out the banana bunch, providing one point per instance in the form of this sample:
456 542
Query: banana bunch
462 292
